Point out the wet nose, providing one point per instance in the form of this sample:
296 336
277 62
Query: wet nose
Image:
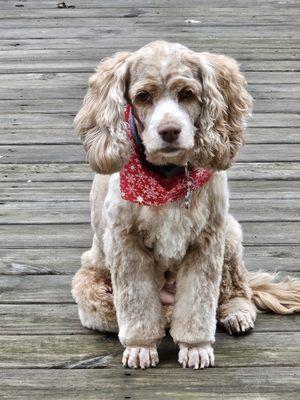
169 133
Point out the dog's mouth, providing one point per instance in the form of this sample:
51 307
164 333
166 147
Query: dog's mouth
172 150
168 155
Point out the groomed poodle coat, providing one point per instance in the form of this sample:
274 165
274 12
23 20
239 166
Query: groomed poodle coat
179 264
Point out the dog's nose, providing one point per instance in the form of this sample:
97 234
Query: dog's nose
169 133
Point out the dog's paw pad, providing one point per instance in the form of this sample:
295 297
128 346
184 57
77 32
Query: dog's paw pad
238 324
196 357
140 357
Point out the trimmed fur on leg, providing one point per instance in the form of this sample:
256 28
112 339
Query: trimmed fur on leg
92 291
236 312
269 294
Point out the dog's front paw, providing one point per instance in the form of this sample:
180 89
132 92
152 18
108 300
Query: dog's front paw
140 357
196 357
238 323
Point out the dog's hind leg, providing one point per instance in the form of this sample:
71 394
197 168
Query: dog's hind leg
92 291
236 311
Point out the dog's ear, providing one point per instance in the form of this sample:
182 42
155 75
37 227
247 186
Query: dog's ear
226 106
100 122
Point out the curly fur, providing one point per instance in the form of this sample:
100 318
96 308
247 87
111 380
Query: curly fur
138 250
100 122
269 294
223 122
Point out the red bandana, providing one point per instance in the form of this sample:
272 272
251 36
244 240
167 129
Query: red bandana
141 185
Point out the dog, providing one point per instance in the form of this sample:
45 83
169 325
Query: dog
160 127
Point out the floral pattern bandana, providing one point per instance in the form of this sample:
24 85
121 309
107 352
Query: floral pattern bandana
156 186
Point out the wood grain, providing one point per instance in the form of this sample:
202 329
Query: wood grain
73 235
62 319
247 383
63 351
40 154
55 260
46 57
81 172
52 289
74 191
79 211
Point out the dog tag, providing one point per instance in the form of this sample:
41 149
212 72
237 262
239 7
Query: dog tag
188 183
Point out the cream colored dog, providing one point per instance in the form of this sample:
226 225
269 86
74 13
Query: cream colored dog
152 267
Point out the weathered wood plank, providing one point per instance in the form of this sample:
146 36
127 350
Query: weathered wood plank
264 152
36 135
60 105
275 91
265 210
65 120
279 258
265 171
52 172
36 80
26 236
63 351
53 261
263 190
71 153
66 44
216 43
79 235
270 106
42 289
46 212
88 66
48 289
207 20
79 211
20 97
42 154
171 28
88 54
63 191
57 319
81 172
79 191
48 4
283 48
79 79
173 392
62 319
272 383
201 12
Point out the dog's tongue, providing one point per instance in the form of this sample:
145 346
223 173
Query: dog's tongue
167 293
166 298
139 184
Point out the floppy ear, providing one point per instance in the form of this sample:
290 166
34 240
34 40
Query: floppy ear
227 104
100 122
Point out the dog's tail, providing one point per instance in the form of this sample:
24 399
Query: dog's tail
271 294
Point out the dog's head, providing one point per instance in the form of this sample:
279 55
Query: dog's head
188 107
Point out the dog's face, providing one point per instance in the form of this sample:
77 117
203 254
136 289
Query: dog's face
166 102
187 106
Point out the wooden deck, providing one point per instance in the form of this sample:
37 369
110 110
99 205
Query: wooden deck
46 56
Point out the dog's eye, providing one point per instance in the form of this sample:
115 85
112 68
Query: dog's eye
143 97
185 94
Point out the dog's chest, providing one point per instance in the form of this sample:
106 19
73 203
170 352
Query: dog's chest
170 230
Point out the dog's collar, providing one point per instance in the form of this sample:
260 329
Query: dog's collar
148 184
